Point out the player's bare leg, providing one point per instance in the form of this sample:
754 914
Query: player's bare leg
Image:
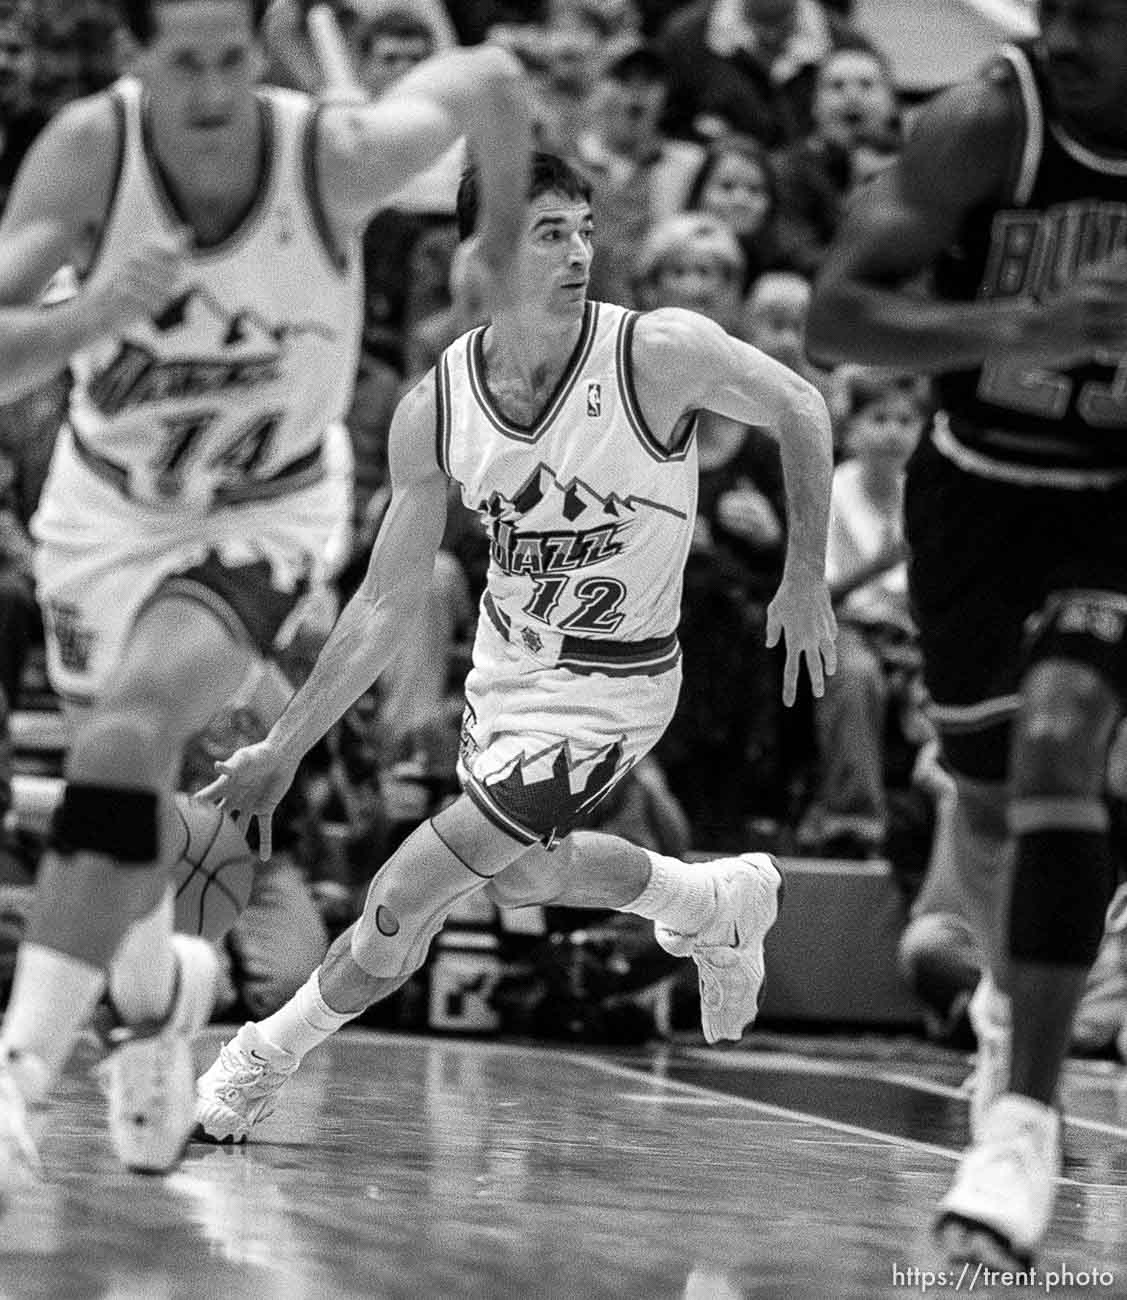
718 913
1000 1205
105 882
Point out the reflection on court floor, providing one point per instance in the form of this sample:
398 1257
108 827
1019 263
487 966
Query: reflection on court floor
422 1167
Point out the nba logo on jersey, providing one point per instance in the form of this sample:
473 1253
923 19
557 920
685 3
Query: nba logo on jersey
594 399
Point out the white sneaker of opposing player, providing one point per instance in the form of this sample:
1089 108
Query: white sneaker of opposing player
728 952
1000 1204
989 1013
19 1159
238 1091
150 1075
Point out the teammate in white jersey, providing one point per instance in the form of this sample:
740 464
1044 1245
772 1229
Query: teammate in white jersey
570 425
214 227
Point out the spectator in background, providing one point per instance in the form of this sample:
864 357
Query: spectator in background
563 58
18 619
18 616
407 246
694 261
942 959
774 319
736 184
654 14
748 66
474 20
78 50
721 750
878 654
429 337
388 45
21 116
638 176
856 130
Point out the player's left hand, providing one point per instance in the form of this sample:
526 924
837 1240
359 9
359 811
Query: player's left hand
252 782
801 614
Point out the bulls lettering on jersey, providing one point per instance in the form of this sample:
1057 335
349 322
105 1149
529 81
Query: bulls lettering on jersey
229 389
589 517
1068 211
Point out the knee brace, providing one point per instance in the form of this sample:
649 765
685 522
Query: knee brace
535 878
120 823
1085 626
408 900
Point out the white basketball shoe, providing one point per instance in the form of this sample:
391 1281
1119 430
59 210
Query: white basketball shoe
149 1073
728 952
1001 1202
989 1013
238 1091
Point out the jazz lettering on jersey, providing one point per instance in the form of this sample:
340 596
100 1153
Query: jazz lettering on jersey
197 348
514 551
549 555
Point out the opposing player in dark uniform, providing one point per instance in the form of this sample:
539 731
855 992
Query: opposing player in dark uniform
1013 193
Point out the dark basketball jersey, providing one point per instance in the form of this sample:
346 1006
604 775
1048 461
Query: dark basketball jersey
1065 428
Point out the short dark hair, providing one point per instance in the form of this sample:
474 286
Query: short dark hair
550 175
740 146
139 16
865 386
399 24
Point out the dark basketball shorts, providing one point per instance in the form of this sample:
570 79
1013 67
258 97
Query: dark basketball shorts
999 573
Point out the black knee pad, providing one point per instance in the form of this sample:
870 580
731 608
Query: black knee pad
1063 882
123 824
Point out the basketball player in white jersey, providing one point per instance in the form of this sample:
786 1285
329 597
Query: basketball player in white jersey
571 427
214 226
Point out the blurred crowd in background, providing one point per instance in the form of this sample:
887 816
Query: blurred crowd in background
724 141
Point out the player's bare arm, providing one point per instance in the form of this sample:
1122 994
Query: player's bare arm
370 628
368 151
53 218
685 363
958 158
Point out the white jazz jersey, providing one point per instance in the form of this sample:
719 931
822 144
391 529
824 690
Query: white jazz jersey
225 395
590 519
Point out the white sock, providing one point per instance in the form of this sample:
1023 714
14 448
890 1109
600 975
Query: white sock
304 1021
143 970
679 895
53 995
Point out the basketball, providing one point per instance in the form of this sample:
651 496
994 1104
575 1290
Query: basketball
213 872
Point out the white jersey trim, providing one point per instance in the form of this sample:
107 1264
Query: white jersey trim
1034 476
1034 143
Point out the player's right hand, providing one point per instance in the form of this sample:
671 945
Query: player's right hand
251 784
1087 318
149 279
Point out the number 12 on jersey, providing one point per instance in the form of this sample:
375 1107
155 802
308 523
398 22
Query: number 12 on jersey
592 604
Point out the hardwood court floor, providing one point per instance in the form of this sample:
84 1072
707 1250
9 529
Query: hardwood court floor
403 1166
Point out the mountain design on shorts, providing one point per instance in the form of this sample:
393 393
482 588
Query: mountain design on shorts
550 804
576 500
